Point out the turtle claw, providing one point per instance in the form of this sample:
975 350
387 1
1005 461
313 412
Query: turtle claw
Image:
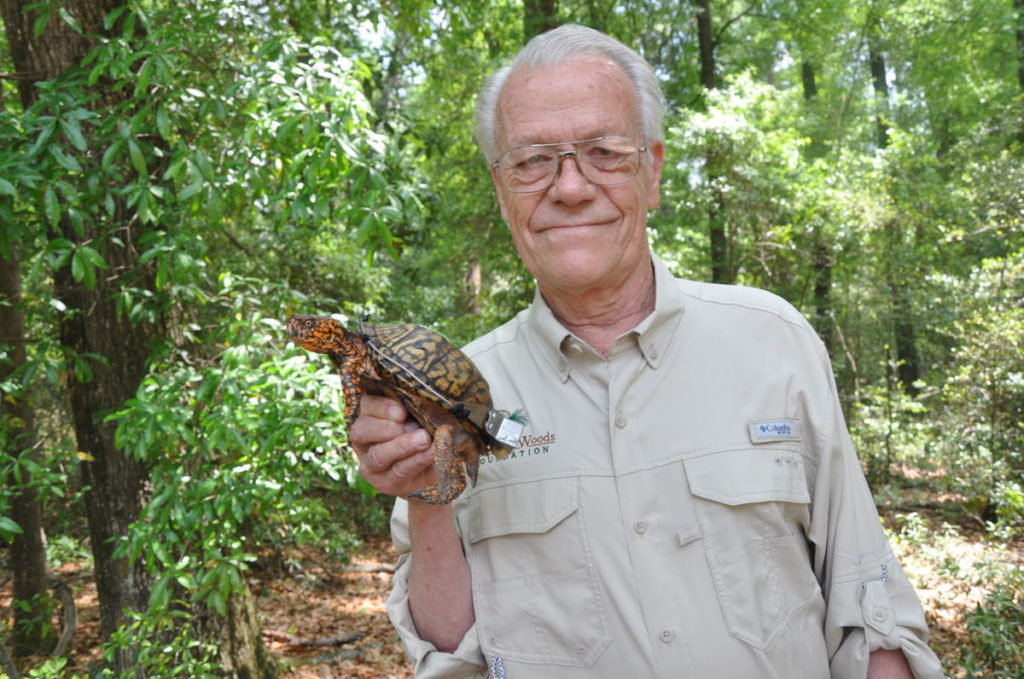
450 478
437 495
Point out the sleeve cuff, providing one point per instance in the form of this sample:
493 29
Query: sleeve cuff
880 614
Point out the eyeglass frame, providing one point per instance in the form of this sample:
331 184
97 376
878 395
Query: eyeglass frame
572 153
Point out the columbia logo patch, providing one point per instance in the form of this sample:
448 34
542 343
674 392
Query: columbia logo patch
766 431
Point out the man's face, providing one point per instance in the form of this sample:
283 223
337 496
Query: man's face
577 237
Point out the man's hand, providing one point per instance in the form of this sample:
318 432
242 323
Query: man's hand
395 453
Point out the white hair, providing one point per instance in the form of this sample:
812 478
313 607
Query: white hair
558 46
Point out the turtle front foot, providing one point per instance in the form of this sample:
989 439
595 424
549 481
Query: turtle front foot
451 480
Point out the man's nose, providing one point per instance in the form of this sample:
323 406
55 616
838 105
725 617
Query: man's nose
570 184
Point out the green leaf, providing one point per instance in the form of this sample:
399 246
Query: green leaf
43 18
7 188
160 596
163 122
9 527
73 131
43 138
138 159
69 20
111 18
160 552
51 206
78 266
69 163
111 153
93 257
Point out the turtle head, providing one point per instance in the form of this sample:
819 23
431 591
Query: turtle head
320 334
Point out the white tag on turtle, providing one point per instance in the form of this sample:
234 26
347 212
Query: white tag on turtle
502 426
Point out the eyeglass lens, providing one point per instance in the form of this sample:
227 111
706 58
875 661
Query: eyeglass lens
604 161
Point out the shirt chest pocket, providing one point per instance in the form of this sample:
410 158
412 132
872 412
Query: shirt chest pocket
753 506
535 587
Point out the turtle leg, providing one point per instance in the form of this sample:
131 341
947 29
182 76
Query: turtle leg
470 449
450 479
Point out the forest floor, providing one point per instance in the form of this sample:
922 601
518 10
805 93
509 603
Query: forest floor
329 621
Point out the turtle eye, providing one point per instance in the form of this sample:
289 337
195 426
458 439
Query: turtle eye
308 322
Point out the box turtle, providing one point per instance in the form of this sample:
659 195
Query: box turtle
438 384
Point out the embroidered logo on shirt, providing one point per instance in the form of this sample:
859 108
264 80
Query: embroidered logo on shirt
528 446
767 431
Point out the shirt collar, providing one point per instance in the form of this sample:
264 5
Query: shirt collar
653 334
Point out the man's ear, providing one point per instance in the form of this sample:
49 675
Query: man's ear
500 193
656 153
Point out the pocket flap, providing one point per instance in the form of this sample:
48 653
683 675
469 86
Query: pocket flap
736 477
534 507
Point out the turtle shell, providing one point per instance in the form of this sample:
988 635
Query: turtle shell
427 364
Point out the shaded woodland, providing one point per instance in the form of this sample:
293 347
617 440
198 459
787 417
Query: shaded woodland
176 178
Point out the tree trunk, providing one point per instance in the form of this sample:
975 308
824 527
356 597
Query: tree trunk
237 634
876 62
706 45
35 58
721 269
908 368
823 321
91 325
823 260
32 634
810 82
1019 6
538 16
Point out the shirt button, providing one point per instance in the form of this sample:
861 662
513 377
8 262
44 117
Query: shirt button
879 614
652 351
667 636
620 419
640 527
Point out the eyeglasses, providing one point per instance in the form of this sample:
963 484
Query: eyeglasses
605 161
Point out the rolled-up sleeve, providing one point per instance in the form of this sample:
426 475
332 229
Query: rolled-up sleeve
871 604
465 661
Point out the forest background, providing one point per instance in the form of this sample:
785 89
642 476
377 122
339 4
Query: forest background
176 178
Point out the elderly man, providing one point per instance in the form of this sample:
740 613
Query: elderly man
685 501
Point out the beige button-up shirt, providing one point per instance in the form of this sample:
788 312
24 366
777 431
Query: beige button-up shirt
690 507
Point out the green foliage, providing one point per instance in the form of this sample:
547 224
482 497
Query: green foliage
234 442
53 668
890 429
996 647
243 437
982 432
162 644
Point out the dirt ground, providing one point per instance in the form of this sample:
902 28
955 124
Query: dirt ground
339 603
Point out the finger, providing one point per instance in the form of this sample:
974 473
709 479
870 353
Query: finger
382 458
401 477
383 408
380 419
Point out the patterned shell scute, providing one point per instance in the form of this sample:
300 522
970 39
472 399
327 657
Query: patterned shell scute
416 356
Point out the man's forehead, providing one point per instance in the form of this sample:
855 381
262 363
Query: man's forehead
584 98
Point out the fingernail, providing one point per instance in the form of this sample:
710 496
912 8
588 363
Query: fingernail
395 413
421 439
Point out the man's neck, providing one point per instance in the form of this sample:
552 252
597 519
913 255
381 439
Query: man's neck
599 317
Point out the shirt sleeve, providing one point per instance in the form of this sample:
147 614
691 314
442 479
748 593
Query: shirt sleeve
464 662
871 604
